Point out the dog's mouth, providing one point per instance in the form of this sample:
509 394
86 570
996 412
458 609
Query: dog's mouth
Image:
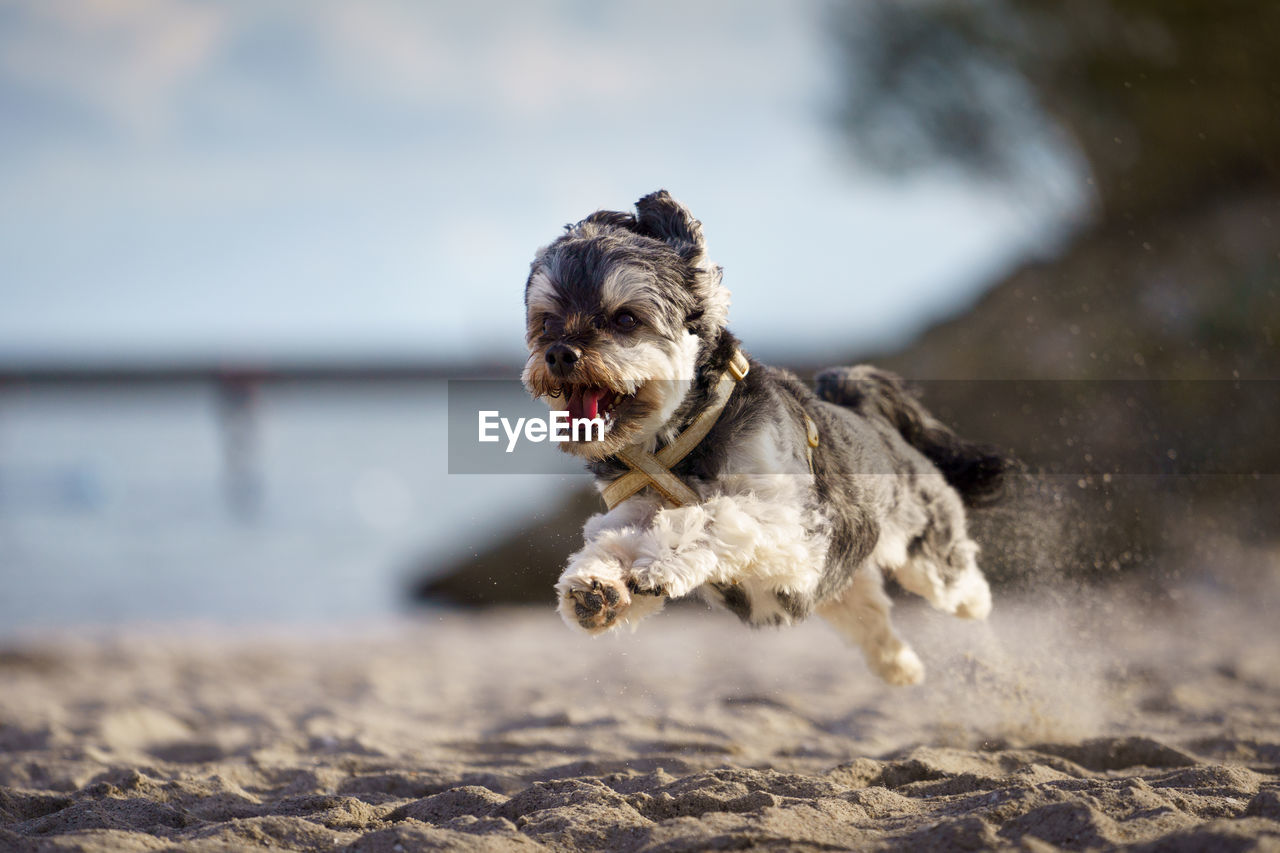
587 403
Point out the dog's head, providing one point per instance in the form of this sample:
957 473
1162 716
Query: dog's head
618 309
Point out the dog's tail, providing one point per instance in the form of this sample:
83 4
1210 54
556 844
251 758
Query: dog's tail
976 472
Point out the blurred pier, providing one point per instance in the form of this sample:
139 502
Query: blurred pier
236 393
248 373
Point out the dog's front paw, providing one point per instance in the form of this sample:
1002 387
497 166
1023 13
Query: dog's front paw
594 604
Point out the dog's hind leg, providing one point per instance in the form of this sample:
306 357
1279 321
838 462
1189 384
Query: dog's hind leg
941 563
861 614
951 582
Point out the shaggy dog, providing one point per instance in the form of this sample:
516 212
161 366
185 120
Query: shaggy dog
780 502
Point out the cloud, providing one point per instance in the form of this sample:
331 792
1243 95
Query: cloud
124 59
378 173
156 69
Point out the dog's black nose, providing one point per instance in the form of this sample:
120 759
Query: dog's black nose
562 358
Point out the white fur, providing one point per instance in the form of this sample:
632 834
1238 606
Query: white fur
750 530
621 285
717 298
669 365
862 615
675 377
541 294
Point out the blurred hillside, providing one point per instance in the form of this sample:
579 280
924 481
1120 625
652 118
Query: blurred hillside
1138 385
1193 295
1170 104
1134 375
1174 109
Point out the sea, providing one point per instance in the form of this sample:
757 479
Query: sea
281 504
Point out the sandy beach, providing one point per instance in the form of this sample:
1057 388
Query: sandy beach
1077 721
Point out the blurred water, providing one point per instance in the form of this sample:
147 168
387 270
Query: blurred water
118 505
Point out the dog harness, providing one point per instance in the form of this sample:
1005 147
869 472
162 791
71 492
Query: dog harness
650 469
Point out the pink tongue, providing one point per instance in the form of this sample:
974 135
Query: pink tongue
585 403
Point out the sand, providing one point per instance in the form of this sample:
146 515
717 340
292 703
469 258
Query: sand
1069 721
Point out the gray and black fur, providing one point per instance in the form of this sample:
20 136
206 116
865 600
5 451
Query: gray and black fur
772 540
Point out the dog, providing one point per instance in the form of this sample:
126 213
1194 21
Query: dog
729 478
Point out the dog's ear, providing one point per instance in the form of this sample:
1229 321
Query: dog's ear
661 216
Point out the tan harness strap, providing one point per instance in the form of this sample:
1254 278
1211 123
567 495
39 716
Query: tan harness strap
650 470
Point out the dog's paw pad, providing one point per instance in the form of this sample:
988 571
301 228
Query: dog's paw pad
596 603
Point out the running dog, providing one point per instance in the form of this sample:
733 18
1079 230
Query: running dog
731 479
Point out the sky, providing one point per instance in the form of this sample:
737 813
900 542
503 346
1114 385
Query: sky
255 180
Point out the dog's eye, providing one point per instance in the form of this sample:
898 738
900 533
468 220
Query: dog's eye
548 325
625 320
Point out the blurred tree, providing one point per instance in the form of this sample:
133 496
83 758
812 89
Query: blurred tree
1172 108
1169 101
